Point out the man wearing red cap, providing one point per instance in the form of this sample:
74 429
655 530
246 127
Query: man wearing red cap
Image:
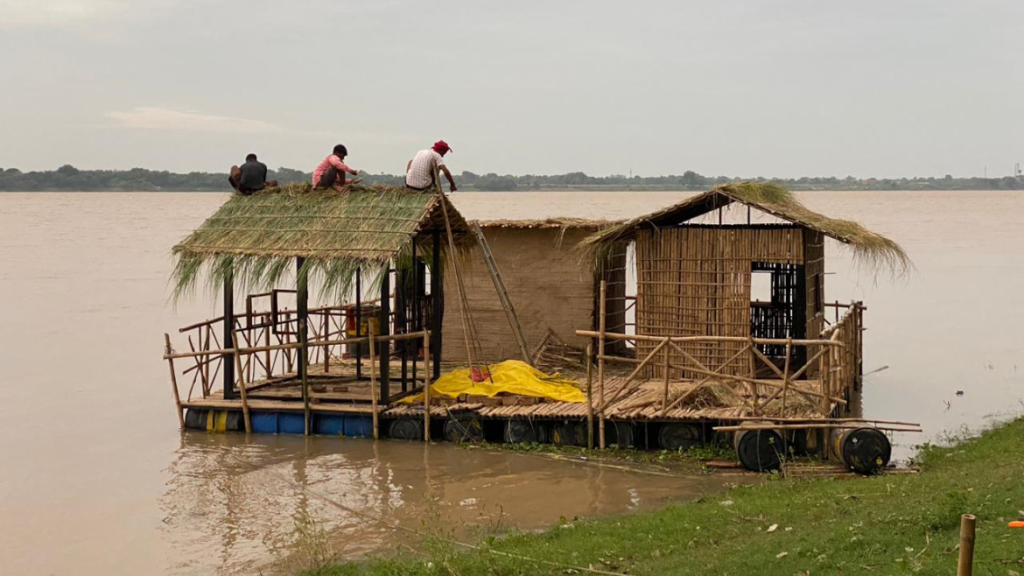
419 172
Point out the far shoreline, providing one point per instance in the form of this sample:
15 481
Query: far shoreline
528 190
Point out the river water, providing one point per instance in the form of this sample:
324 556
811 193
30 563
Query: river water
96 478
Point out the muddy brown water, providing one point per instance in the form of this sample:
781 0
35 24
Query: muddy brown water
97 480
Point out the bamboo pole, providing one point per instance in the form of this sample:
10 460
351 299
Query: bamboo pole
241 384
590 396
841 420
752 367
266 353
206 369
302 324
174 383
700 384
632 376
327 347
809 426
602 325
373 383
426 387
965 565
707 339
291 346
664 395
785 374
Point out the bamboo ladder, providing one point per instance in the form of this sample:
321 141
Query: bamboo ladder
503 297
469 331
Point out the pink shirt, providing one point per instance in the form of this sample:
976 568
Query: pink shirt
331 160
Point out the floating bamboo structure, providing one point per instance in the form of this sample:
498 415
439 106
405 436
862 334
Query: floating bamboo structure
706 353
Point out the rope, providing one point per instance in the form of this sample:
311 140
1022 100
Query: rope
399 528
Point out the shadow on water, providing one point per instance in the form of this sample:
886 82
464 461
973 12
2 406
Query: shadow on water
236 504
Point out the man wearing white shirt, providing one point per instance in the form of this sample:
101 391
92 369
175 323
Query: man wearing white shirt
419 172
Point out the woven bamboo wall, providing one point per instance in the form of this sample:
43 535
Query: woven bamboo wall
550 286
695 281
814 268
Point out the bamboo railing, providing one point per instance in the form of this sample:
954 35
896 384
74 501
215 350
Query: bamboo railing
205 357
824 374
325 324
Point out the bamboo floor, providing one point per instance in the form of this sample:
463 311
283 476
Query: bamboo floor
339 392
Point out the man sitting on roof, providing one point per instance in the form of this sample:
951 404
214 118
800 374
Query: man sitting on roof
331 172
250 177
419 172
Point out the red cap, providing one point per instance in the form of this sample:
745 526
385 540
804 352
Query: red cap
441 147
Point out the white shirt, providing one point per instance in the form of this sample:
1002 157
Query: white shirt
421 171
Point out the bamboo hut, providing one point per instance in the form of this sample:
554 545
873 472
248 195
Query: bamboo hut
700 273
375 253
554 292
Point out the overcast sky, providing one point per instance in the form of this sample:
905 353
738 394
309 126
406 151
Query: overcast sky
753 87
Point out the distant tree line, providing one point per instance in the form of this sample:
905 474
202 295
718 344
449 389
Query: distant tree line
69 178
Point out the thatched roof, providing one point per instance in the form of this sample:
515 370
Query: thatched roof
867 246
563 223
258 237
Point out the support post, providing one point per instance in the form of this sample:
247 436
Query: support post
753 373
414 310
302 298
785 373
228 360
437 300
384 352
590 395
174 381
359 322
668 369
402 320
207 384
373 381
965 566
326 335
602 324
241 388
426 390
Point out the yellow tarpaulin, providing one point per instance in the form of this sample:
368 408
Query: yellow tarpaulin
510 377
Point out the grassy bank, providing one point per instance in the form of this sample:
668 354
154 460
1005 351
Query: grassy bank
884 525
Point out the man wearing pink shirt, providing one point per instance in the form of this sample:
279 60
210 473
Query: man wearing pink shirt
331 172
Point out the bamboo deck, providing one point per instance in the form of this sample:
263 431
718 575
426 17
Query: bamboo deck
340 393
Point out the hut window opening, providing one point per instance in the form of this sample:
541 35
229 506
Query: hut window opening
761 286
780 313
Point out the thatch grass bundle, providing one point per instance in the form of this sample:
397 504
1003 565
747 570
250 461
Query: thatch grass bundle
868 247
255 239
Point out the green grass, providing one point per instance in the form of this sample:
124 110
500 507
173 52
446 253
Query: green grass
890 524
683 461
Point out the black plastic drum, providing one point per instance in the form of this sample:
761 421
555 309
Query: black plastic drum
678 437
195 419
863 450
617 433
525 432
569 434
759 450
461 428
406 429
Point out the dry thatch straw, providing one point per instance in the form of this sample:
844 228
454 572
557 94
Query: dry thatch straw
256 239
868 247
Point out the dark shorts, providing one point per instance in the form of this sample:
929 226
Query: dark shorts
429 188
330 177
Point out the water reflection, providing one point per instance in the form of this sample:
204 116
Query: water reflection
234 505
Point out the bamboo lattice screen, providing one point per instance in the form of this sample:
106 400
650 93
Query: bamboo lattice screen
695 281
